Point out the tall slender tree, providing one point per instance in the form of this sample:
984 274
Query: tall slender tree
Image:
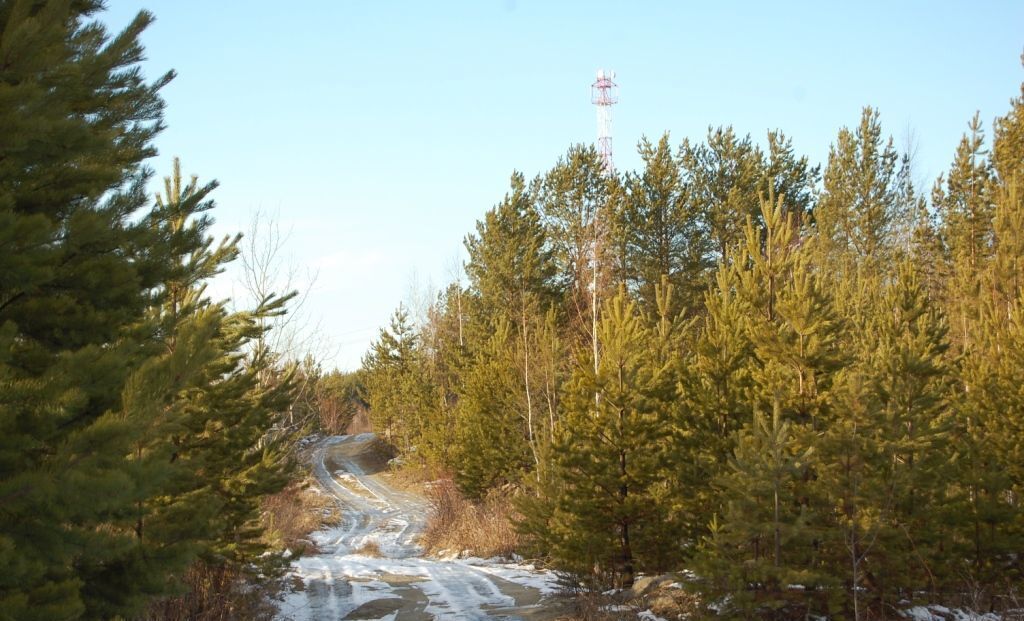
79 271
661 229
606 516
723 175
857 211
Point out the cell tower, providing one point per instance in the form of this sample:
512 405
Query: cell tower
604 93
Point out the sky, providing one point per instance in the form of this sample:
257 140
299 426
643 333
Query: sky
374 134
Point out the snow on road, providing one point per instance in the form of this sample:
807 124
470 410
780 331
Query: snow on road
343 581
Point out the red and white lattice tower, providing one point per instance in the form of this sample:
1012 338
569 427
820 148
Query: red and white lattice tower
604 93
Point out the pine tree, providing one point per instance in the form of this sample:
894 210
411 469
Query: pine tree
397 387
78 272
714 380
989 411
886 456
660 229
857 211
574 203
444 344
128 407
606 517
759 545
724 177
925 242
493 445
200 455
964 203
511 267
792 177
763 538
965 207
1008 143
512 270
1006 279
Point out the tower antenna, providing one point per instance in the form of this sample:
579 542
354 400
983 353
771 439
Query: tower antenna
604 93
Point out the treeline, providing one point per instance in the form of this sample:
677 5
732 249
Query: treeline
804 384
141 423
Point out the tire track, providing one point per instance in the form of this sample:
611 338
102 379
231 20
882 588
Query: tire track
400 584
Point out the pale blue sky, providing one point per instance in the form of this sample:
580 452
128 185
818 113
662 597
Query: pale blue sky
380 131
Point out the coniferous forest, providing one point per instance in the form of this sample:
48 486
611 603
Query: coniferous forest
800 386
138 418
801 383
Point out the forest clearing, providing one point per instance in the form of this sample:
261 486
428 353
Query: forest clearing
727 374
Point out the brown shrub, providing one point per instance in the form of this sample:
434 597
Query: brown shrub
370 548
216 593
456 524
290 515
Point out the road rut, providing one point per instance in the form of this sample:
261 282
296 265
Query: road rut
371 567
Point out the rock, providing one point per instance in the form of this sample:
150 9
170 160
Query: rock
646 584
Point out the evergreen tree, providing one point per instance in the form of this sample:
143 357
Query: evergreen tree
759 546
964 203
886 456
494 447
607 516
511 266
445 357
1007 269
989 412
397 387
661 229
511 270
724 177
574 203
79 271
714 380
201 457
925 242
135 428
792 177
764 537
965 207
857 211
1008 144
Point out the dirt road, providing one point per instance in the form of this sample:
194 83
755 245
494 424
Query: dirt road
370 566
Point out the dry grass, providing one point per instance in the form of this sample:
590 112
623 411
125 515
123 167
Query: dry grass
413 477
370 548
215 593
666 602
458 525
675 604
290 515
223 592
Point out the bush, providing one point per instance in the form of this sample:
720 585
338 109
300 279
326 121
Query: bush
484 529
217 593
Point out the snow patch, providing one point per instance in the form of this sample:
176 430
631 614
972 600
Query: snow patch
341 579
936 612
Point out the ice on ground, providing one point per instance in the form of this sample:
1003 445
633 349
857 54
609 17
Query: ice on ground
941 613
520 573
342 578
